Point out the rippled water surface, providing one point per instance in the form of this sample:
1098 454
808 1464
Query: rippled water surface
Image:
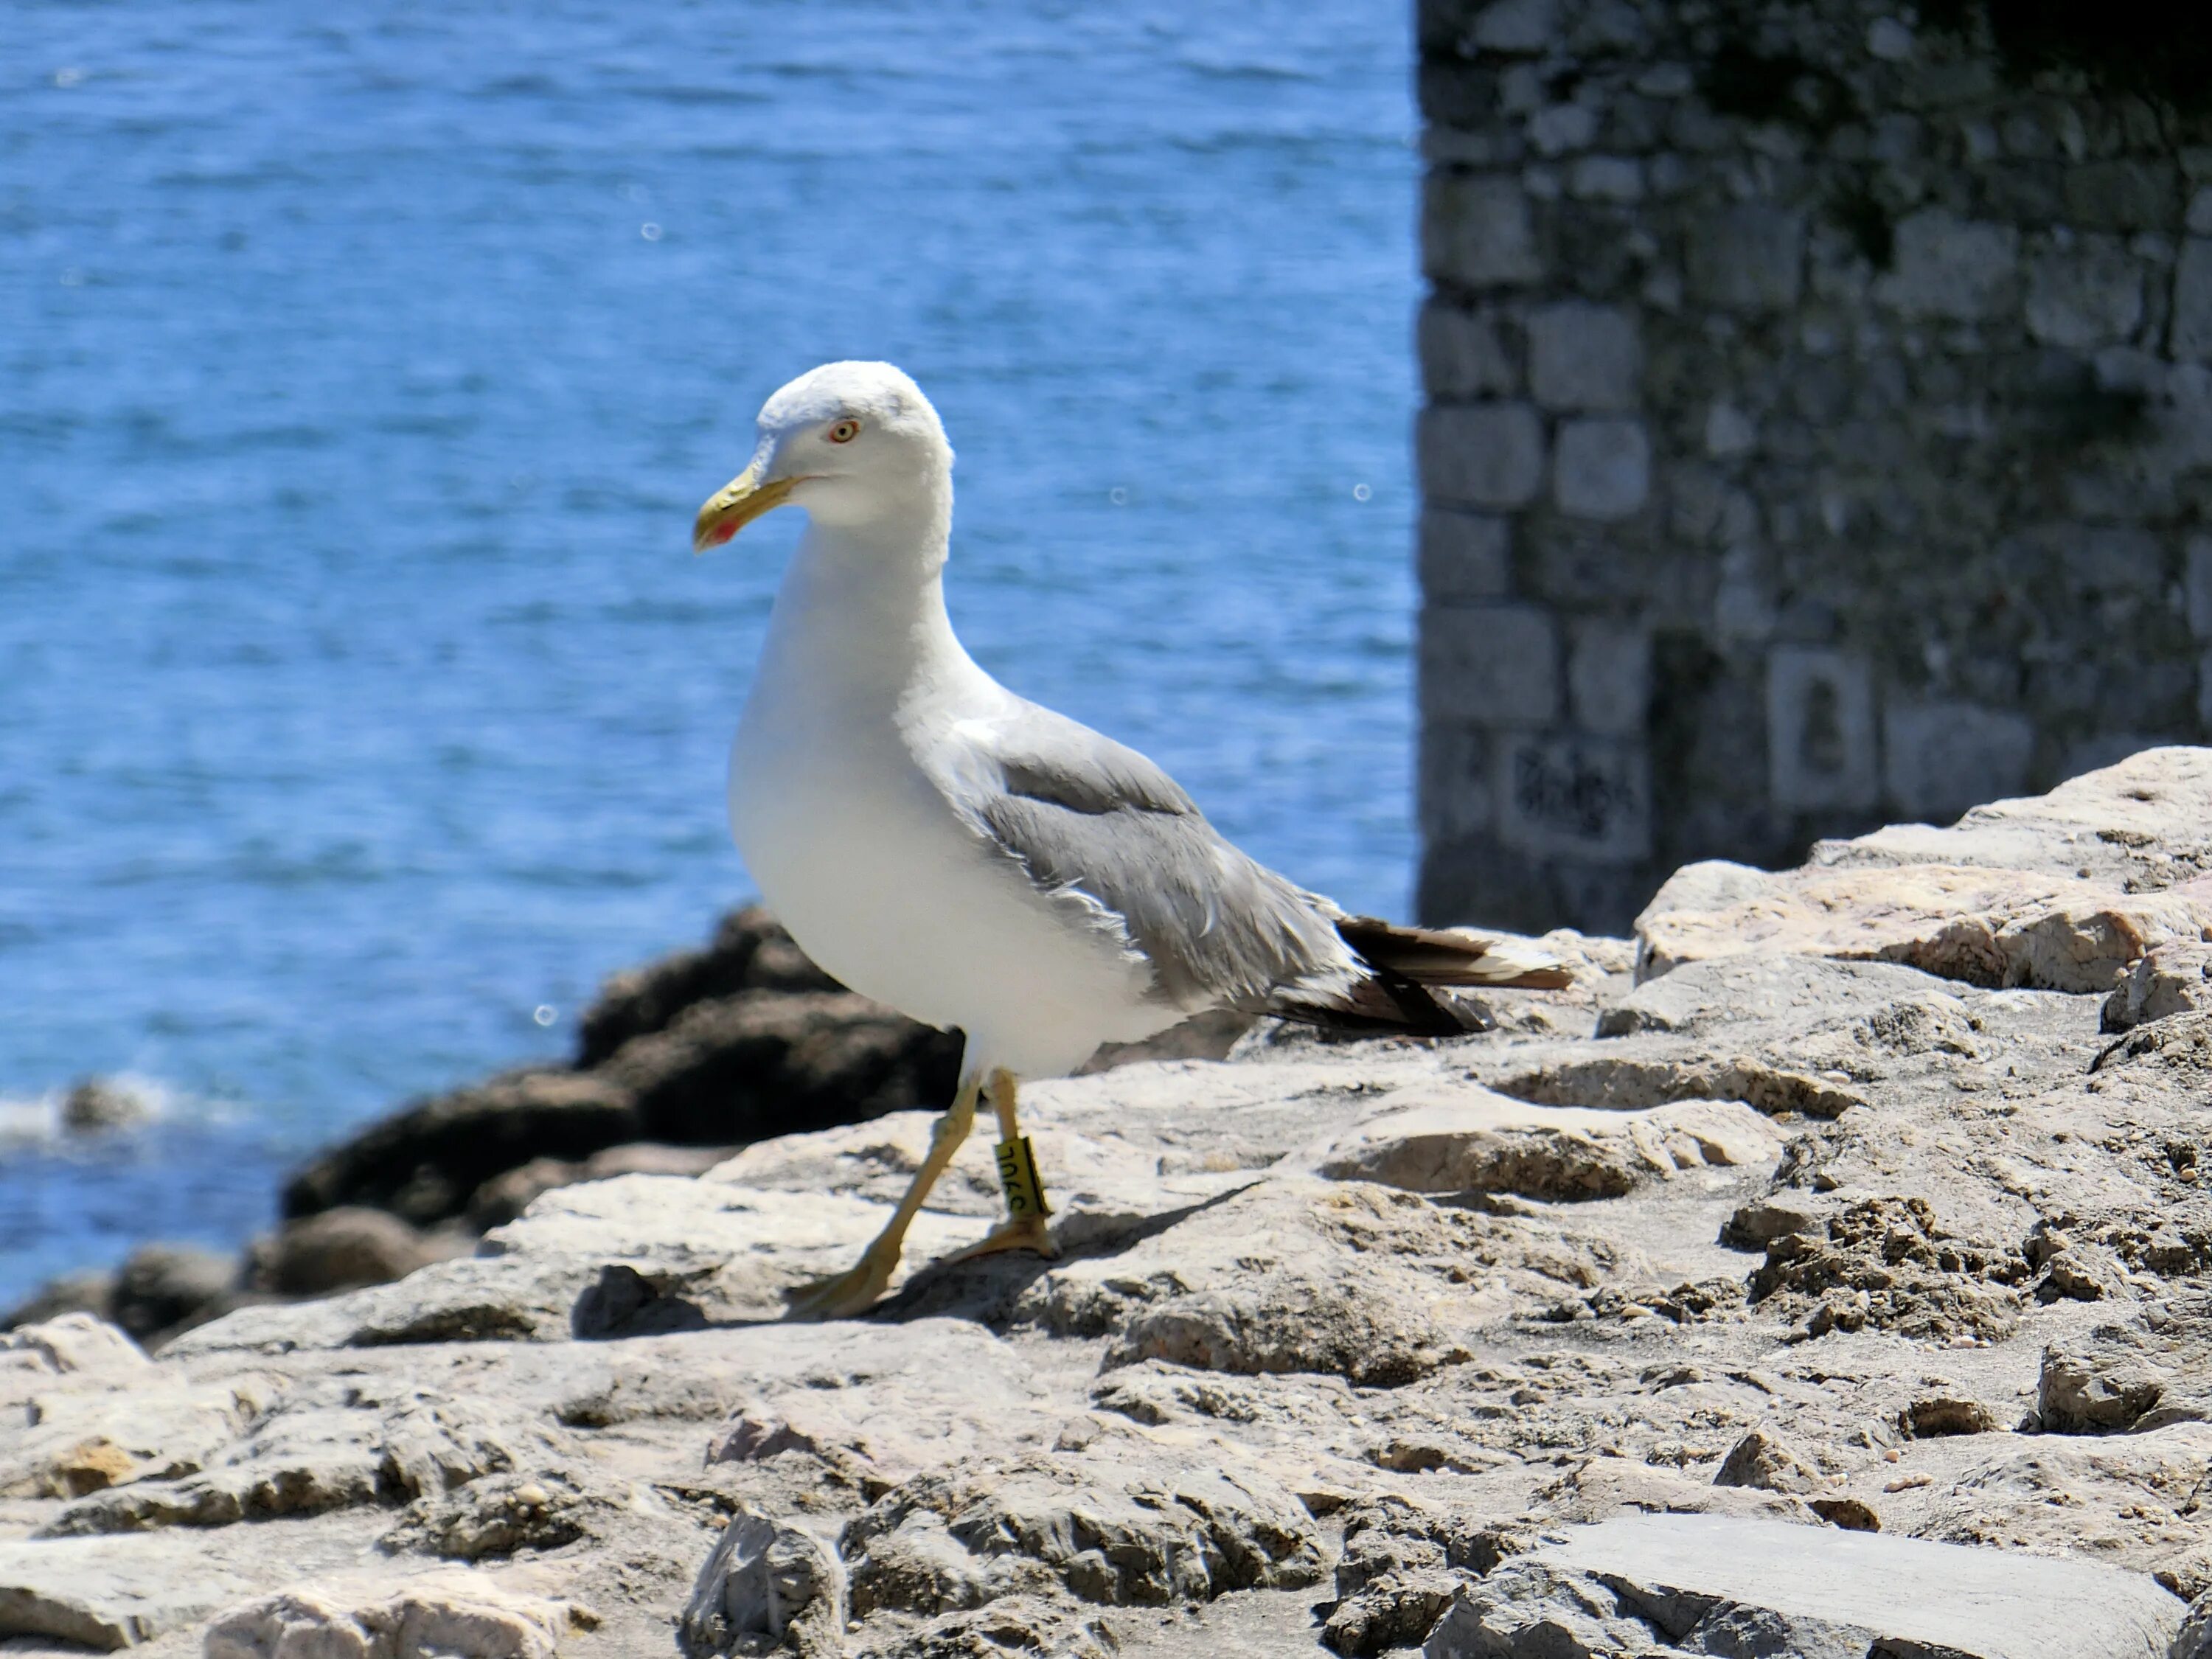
360 704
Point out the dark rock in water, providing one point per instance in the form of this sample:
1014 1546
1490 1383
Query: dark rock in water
506 1196
743 1040
166 1288
425 1161
750 951
342 1250
92 1292
94 1105
747 1068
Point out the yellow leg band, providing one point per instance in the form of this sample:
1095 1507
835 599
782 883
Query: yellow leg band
1018 1175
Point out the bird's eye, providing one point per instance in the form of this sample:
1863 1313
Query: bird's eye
844 432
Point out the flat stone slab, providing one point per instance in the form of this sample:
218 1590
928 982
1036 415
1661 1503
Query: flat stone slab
109 1593
1709 1583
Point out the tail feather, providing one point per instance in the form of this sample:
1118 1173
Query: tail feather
1407 967
1434 955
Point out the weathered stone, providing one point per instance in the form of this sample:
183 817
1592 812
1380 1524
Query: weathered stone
1888 1264
768 1579
108 1593
1993 927
1940 757
1463 355
2125 1375
1465 558
1609 678
2084 297
1766 1461
1472 1140
1480 455
1132 1531
1727 1584
1820 743
453 1613
1583 357
1491 664
1476 231
74 1343
1946 266
1746 257
1588 796
1602 469
2169 979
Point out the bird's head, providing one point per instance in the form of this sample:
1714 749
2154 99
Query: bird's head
849 442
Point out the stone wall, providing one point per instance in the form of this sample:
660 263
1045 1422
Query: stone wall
1818 433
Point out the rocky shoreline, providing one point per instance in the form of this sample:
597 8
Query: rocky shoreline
1825 1273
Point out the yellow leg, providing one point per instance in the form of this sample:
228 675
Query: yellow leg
1024 1227
849 1292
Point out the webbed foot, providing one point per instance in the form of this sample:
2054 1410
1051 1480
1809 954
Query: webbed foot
1028 1232
841 1297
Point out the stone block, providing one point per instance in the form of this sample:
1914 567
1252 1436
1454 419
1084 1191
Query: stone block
2087 295
2200 212
1465 558
1607 179
2191 334
1940 757
1480 454
1729 432
1453 782
1609 678
1750 257
1464 354
2112 559
2198 585
1476 231
1820 750
1489 664
1945 266
1517 26
1746 1584
1583 356
1587 799
1603 468
2131 194
1560 128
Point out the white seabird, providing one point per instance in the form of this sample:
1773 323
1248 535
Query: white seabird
977 861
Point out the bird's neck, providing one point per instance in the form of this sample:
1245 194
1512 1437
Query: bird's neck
862 605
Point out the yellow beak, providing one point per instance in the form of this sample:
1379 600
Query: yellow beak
736 505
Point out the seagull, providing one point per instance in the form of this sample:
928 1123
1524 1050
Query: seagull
979 862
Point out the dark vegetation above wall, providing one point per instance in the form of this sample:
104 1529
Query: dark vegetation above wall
2160 50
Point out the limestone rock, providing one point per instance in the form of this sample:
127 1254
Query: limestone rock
451 1612
107 1594
74 1343
1649 1584
2116 1376
767 1579
1402 1562
1993 928
1767 1460
2169 979
1888 1264
339 1249
1471 1140
1124 1531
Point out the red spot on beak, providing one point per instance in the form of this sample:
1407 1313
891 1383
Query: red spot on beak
722 533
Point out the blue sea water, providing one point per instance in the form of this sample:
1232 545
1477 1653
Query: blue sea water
361 366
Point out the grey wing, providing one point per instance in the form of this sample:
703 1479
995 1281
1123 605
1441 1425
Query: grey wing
1094 823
